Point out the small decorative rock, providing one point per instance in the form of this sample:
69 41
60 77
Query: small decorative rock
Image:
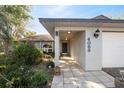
57 70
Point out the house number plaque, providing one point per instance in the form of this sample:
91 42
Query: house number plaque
88 45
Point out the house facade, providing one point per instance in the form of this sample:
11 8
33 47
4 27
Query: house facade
44 42
93 43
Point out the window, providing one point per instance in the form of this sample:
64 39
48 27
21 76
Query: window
47 47
49 50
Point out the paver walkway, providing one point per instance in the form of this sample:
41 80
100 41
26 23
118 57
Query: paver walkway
73 76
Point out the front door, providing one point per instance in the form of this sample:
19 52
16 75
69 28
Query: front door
64 47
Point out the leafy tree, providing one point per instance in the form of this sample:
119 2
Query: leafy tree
5 30
30 33
13 19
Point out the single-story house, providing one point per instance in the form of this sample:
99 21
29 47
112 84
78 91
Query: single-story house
94 43
44 42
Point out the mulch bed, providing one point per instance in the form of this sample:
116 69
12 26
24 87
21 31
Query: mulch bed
115 72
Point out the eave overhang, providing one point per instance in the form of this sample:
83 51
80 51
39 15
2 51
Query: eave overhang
51 23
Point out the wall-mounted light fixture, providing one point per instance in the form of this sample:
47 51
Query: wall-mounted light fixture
57 33
97 33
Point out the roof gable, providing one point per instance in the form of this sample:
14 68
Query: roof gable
101 17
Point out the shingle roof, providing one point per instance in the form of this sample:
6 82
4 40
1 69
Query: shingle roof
38 38
100 18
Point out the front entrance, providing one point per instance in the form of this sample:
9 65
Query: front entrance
64 47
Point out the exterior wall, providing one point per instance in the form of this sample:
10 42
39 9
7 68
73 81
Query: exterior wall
37 44
94 57
77 48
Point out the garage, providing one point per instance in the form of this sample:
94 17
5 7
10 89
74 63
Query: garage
113 49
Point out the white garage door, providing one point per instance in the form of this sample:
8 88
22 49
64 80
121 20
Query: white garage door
113 49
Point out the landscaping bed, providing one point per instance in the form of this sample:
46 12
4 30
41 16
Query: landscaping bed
25 68
118 74
43 66
115 72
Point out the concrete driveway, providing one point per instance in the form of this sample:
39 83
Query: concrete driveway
73 76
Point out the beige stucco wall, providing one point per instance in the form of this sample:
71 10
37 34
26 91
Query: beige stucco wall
77 48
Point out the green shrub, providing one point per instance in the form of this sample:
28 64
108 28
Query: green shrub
50 64
17 76
2 63
18 72
2 56
26 54
1 47
2 68
40 79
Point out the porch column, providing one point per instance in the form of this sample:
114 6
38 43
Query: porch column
57 53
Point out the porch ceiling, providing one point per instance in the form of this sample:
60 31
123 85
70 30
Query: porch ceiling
64 35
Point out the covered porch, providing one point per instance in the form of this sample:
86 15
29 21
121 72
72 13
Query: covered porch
76 43
72 44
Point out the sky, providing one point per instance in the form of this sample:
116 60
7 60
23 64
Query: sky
70 11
